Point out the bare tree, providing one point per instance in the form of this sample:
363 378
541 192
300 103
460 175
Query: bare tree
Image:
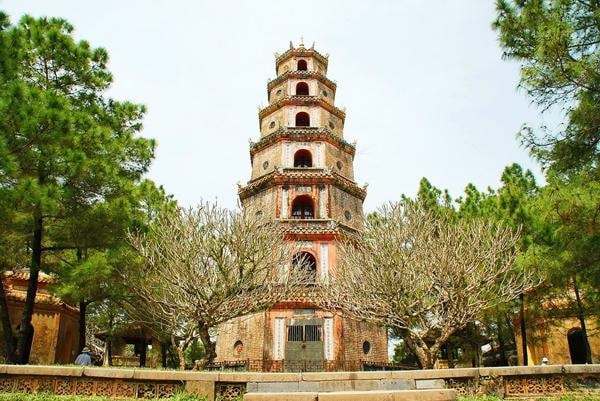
203 266
425 276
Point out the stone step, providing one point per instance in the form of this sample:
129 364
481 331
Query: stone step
378 395
299 396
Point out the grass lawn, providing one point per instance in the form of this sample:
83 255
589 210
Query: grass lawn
52 397
182 397
560 398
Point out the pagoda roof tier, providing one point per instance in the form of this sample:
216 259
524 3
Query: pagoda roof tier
303 134
301 176
301 101
302 75
301 51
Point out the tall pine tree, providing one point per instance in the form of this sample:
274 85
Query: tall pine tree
68 147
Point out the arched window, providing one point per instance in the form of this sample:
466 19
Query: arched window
302 89
302 119
307 262
576 346
238 348
302 208
302 158
302 66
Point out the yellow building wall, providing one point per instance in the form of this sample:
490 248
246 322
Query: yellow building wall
549 339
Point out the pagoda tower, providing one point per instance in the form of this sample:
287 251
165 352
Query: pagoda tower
303 177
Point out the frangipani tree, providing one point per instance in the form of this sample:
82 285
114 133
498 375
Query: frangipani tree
427 277
203 266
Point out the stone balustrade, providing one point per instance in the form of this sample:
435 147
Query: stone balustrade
145 383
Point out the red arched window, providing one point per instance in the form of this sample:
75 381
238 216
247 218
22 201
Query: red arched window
303 208
302 119
302 158
307 262
302 66
301 89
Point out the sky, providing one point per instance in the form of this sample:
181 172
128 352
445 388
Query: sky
425 88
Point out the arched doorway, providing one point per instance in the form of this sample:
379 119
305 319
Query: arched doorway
302 119
576 346
301 89
306 262
303 208
302 158
302 66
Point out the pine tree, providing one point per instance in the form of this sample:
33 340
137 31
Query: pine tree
68 147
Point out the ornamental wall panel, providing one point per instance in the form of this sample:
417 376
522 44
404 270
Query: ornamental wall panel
278 336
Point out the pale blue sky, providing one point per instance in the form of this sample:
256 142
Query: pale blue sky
426 91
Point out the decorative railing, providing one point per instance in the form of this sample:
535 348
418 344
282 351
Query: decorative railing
525 382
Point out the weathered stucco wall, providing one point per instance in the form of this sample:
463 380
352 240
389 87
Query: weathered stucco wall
249 331
346 208
55 333
550 339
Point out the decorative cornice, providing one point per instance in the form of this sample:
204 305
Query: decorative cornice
301 52
302 75
299 176
303 134
301 101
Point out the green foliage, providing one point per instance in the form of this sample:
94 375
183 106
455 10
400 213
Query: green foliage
403 355
558 398
557 45
568 210
194 352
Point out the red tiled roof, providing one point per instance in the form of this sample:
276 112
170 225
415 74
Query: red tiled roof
15 286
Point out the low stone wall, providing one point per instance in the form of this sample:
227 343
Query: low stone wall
143 383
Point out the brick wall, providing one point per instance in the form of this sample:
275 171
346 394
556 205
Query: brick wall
356 333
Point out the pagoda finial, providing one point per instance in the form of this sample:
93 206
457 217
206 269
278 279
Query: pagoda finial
301 41
313 46
291 45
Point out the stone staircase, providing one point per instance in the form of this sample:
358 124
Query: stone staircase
373 395
351 390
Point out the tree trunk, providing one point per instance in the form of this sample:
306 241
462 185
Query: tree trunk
580 315
501 343
180 356
163 354
420 349
25 336
82 324
110 353
9 337
210 351
143 353
179 350
523 332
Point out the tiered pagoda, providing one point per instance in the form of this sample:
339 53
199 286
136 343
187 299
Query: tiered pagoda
303 176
